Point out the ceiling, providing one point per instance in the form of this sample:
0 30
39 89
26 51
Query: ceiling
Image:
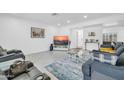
61 19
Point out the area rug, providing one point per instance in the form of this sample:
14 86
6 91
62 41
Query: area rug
66 69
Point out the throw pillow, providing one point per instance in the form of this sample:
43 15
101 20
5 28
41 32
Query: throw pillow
105 58
97 57
120 61
119 50
17 68
112 59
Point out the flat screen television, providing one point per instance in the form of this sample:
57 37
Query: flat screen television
61 40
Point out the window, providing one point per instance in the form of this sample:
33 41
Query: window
110 37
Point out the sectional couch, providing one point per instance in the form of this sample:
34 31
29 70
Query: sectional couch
14 67
23 70
10 54
93 69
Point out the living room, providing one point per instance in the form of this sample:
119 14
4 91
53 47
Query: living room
60 47
66 46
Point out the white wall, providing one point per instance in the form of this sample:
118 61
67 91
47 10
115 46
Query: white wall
94 25
72 33
15 33
98 32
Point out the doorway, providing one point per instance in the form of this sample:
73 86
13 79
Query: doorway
76 38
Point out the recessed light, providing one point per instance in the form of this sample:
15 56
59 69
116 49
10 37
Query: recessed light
68 21
85 16
59 24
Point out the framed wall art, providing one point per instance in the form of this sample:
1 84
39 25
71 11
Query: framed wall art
91 34
37 32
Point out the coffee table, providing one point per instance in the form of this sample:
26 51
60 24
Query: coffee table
79 56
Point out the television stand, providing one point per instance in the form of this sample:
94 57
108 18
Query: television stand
60 47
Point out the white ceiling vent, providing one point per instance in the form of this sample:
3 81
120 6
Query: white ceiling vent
55 14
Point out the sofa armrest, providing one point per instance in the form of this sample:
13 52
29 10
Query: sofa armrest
14 51
11 57
86 67
34 73
4 56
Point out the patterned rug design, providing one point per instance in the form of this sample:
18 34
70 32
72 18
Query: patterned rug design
66 69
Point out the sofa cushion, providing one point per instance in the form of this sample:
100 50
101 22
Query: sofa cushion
86 67
6 65
104 57
97 56
23 76
110 59
120 61
100 76
119 50
117 45
114 72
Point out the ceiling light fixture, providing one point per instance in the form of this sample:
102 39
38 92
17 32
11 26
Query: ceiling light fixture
85 16
59 24
68 21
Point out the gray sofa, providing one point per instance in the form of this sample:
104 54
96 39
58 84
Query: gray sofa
94 70
14 67
30 73
10 55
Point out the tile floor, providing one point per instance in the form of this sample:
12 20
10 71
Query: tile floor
42 59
